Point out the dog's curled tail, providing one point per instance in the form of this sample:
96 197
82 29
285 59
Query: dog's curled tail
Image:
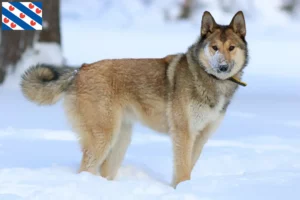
45 84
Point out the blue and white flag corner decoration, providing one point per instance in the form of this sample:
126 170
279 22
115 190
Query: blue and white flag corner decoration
22 16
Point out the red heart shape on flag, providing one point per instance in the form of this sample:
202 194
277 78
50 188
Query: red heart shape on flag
38 11
6 20
31 6
11 8
13 25
22 15
32 23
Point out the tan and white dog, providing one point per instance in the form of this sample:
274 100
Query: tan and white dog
185 95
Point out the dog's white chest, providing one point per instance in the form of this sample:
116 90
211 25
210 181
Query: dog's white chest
202 114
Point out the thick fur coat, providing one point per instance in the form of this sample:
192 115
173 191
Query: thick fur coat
185 95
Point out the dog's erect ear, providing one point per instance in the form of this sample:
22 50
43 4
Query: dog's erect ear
238 24
208 23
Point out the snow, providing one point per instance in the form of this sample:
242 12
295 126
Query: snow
253 155
41 52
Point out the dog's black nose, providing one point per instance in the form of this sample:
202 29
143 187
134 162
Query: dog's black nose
223 68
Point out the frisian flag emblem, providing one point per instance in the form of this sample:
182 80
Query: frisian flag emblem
22 15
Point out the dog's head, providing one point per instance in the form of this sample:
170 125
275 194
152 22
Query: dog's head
222 50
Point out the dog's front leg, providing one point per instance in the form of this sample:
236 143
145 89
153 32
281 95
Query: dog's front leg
202 138
182 149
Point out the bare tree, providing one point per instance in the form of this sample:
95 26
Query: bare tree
186 9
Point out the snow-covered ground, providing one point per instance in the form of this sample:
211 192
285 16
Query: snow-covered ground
253 155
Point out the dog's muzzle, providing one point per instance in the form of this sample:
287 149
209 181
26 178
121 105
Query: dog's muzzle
223 68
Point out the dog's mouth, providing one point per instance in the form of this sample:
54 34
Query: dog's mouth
223 72
220 71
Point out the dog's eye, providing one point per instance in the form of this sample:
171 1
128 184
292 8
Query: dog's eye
231 48
215 48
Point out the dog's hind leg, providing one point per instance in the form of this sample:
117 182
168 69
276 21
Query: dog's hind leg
112 163
89 161
202 138
102 124
95 154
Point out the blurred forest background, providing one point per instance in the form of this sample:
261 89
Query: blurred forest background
128 13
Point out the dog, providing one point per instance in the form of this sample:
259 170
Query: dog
185 95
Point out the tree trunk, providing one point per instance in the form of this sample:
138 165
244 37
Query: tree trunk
51 22
14 43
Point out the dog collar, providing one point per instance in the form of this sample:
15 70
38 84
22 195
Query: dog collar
233 79
237 81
